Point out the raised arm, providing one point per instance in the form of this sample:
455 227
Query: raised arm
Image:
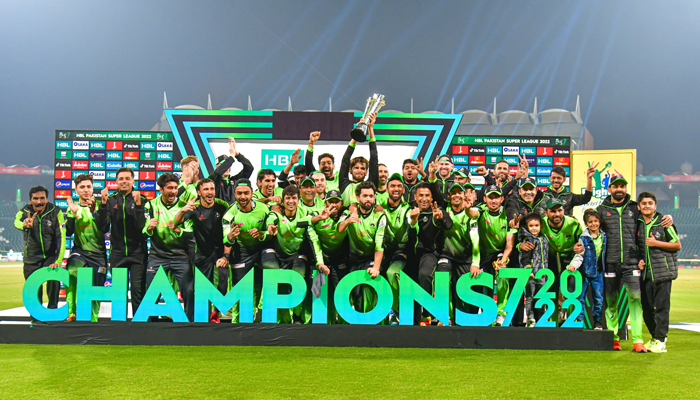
309 156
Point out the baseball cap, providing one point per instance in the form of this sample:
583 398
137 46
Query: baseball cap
618 178
333 194
456 186
220 159
463 172
395 176
243 182
468 186
553 202
527 181
493 189
446 156
307 179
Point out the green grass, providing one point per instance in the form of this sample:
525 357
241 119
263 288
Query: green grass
30 371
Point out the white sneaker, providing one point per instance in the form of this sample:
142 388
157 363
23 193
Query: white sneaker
499 320
658 347
531 323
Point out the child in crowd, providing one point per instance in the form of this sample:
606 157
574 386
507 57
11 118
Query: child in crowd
535 259
658 254
594 242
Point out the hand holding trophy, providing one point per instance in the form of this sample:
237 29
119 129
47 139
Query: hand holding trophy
374 103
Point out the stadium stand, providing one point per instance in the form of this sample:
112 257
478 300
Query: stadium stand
10 238
687 220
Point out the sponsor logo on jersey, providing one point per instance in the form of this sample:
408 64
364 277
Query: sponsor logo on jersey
63 184
80 165
98 175
81 145
164 146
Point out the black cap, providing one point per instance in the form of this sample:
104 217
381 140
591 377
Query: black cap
447 156
333 194
527 181
307 179
464 173
243 182
220 159
553 203
493 189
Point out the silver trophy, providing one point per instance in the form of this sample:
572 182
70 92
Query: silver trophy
374 103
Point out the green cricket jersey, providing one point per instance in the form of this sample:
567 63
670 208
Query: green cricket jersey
367 236
396 235
317 207
291 232
86 236
186 192
253 219
257 195
333 183
493 229
382 198
328 236
461 242
348 195
165 242
562 240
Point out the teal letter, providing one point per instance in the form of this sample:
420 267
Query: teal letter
489 309
272 300
521 276
385 298
545 298
410 291
149 308
571 298
86 294
30 292
205 291
319 307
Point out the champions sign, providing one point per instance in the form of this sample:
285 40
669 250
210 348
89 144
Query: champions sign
468 289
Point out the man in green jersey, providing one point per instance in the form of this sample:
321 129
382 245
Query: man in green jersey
366 228
169 243
267 193
44 230
187 189
211 256
496 242
288 232
326 162
359 167
320 181
89 243
333 243
396 245
309 202
244 229
382 194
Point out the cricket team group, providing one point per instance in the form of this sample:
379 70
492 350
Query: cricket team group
427 218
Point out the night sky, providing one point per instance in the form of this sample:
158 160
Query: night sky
105 65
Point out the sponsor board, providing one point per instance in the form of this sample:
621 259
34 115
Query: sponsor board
81 155
64 145
114 146
97 165
97 155
81 145
98 175
165 156
148 146
147 185
98 146
164 146
80 164
113 165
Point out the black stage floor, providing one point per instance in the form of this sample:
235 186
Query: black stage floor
226 334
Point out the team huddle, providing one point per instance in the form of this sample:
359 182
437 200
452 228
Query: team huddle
426 219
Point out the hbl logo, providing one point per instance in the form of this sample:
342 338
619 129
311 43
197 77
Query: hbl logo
277 159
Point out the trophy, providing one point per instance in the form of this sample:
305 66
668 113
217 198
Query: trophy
374 103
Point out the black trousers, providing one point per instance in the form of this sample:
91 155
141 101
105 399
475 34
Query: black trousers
656 304
136 264
427 266
181 269
52 287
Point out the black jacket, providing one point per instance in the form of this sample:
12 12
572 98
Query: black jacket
570 200
125 220
621 229
660 265
45 241
224 186
516 206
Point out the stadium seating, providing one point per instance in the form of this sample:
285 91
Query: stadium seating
687 220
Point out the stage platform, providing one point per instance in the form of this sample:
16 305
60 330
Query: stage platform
227 334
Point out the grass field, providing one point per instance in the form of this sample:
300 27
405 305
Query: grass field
353 373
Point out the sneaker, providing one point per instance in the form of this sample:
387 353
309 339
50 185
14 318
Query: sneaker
214 317
425 321
499 320
658 347
616 345
440 324
650 343
598 326
531 323
71 318
639 348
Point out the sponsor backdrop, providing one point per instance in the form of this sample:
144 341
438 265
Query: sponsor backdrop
101 154
542 153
